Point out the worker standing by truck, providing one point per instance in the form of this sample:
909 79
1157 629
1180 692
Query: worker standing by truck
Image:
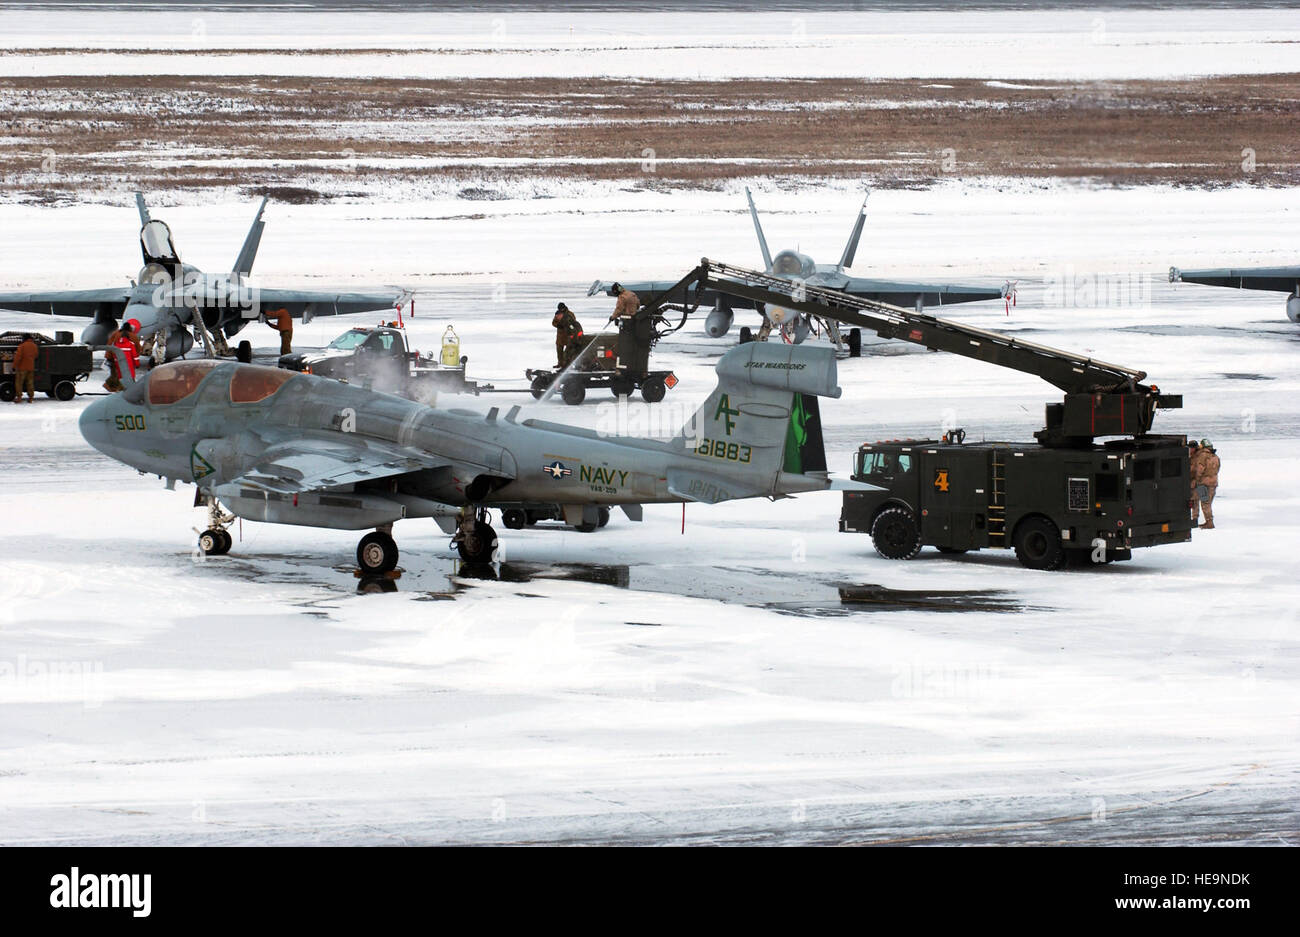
25 369
568 336
1206 474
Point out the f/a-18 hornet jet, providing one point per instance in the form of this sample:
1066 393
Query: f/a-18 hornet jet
283 447
1270 279
793 265
169 297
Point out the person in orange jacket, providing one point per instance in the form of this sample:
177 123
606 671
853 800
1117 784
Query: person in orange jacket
282 322
25 369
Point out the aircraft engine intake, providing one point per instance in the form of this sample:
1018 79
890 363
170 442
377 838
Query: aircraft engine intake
179 342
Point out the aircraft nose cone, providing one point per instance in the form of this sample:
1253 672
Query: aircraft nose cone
94 425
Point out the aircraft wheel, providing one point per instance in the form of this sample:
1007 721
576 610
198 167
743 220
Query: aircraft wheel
573 393
603 516
479 545
64 390
746 335
244 352
653 390
540 383
514 519
895 534
215 542
7 391
377 553
1038 544
855 343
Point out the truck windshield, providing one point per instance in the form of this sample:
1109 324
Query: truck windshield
348 340
884 463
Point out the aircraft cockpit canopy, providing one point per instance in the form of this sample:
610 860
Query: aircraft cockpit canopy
251 383
156 243
170 383
793 264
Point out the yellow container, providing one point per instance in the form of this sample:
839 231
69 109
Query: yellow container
450 348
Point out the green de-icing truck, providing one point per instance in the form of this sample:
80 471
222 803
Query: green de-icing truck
1096 504
1095 485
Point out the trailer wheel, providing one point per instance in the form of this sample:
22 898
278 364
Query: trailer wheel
377 553
855 343
895 534
540 383
622 387
1038 544
573 393
7 391
64 390
514 519
653 389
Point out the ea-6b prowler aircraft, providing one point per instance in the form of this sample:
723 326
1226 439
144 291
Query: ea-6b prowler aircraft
1271 279
169 297
289 448
793 265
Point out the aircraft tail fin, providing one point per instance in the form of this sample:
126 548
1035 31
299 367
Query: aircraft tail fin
247 253
142 208
758 229
851 248
759 432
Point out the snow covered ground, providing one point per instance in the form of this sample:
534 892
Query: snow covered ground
640 683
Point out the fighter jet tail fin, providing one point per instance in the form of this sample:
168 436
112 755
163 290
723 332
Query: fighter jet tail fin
851 248
244 262
761 421
758 229
142 208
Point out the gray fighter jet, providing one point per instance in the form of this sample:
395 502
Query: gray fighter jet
1271 279
287 448
793 265
167 293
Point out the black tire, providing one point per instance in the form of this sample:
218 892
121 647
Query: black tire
573 393
244 352
855 343
64 390
211 542
602 516
621 387
377 553
227 541
895 534
540 383
7 393
746 335
514 519
480 545
653 389
1038 544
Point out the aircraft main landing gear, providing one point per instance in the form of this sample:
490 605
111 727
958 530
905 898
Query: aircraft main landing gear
475 539
377 553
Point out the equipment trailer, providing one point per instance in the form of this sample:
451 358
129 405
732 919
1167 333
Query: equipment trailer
1065 495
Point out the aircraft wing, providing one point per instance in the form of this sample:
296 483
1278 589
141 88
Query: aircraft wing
307 304
900 293
69 302
1276 279
308 464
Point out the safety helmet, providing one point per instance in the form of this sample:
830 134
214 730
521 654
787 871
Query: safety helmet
561 308
1205 444
616 288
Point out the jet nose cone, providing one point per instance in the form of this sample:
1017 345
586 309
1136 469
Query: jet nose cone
94 425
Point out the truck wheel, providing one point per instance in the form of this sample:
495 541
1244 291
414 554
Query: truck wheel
7 391
377 553
514 518
573 393
855 343
895 534
540 383
746 335
64 390
1038 544
653 389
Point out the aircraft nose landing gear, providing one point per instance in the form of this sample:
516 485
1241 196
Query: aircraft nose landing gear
475 539
216 540
377 553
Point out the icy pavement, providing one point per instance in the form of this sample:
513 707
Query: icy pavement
640 683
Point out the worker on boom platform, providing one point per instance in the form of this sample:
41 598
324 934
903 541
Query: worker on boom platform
634 332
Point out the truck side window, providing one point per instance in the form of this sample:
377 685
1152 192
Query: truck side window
904 464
